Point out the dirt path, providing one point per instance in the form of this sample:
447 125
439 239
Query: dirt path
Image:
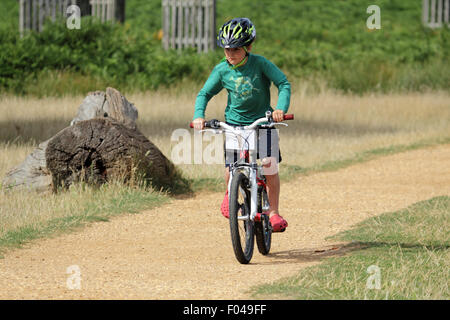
183 250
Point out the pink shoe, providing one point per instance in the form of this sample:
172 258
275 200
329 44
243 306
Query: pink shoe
278 223
224 206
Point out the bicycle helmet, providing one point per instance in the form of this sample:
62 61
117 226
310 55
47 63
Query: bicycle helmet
236 33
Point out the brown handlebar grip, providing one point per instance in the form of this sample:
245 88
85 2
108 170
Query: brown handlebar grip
191 125
288 117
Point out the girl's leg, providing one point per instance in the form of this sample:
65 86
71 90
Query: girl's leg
279 224
273 183
224 207
273 192
227 175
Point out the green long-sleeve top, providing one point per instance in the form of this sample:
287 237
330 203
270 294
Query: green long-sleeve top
248 89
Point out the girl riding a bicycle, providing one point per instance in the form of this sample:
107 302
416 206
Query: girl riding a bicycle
247 78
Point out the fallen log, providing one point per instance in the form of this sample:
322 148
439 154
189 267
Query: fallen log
100 150
101 143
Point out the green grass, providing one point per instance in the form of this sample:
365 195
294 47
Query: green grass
424 224
316 40
408 249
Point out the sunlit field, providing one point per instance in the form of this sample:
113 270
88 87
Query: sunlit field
328 126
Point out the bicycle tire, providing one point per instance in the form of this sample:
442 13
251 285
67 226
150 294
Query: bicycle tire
263 228
242 231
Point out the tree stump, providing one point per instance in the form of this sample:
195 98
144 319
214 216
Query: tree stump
100 150
109 104
102 143
31 173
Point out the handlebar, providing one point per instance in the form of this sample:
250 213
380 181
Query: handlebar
215 123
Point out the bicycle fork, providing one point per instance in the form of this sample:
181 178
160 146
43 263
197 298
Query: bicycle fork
251 173
253 194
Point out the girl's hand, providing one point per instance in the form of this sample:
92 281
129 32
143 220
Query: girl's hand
278 115
199 123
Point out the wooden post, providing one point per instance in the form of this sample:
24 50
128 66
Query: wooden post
179 24
199 26
439 14
26 15
21 16
205 38
192 23
447 11
40 15
185 21
173 24
53 9
433 13
105 10
213 26
33 15
188 23
165 23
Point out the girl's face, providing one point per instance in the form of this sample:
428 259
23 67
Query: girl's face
234 55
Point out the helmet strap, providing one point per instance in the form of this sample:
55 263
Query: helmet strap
243 60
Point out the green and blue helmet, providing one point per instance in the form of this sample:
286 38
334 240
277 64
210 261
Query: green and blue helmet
236 33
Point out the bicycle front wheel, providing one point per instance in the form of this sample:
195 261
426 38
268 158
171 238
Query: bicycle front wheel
241 227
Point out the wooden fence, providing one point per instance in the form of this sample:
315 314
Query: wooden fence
32 13
436 13
189 23
103 9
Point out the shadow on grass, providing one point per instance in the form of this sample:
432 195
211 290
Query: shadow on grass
338 250
429 247
311 255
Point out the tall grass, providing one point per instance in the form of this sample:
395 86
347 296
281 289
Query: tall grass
328 126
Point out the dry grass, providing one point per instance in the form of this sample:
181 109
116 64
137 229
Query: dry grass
328 126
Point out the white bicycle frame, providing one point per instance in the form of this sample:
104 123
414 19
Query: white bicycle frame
252 170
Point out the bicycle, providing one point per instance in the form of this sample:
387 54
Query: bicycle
248 200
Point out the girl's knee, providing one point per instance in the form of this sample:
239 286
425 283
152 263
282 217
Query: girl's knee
270 166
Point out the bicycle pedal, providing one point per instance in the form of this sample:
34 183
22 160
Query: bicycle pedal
259 216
